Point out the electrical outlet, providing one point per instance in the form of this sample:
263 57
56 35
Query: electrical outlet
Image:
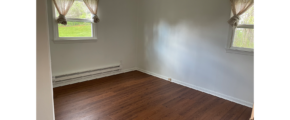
169 79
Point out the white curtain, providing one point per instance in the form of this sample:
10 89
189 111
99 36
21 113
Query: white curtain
238 8
62 7
93 7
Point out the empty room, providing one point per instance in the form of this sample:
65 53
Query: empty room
149 59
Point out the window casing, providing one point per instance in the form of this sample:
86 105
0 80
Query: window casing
242 37
73 20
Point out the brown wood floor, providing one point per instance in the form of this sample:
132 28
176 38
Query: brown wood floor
137 96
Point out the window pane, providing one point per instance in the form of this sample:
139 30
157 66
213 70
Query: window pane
244 38
77 10
247 17
75 29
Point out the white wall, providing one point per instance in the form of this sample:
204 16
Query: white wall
181 39
43 84
186 40
116 41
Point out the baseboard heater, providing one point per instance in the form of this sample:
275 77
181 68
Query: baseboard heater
85 75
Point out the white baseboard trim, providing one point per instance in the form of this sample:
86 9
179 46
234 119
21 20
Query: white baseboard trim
63 83
153 74
226 97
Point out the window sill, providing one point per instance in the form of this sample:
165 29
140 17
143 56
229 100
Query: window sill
240 51
75 39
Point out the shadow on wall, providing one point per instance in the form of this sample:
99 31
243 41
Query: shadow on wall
178 33
193 54
186 40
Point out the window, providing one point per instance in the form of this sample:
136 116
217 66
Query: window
243 36
79 26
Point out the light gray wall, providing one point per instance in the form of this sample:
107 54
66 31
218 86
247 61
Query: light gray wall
116 41
44 94
186 40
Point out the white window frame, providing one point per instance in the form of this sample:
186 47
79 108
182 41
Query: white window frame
232 37
55 27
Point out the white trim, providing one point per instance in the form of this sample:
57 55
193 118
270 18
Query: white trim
88 79
153 74
226 97
73 38
80 20
242 49
249 26
249 53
